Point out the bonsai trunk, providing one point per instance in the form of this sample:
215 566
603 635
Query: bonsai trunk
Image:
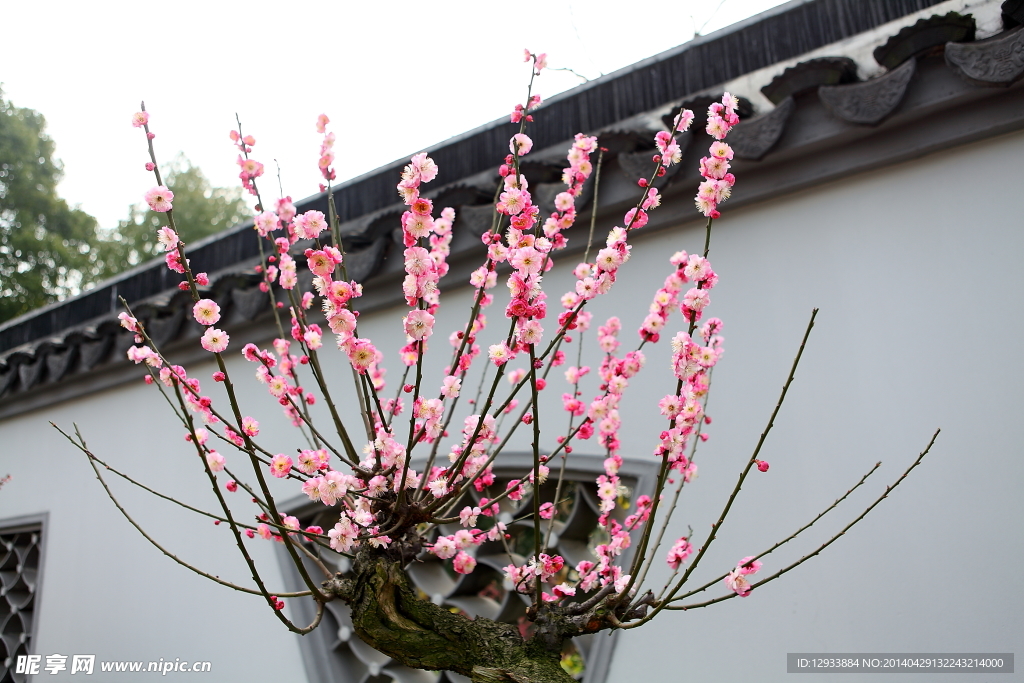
387 615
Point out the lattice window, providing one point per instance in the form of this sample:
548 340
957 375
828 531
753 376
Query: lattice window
20 560
334 653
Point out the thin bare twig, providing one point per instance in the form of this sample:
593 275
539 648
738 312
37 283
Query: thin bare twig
92 462
743 475
786 540
888 490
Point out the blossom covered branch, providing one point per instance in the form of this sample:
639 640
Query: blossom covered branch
393 494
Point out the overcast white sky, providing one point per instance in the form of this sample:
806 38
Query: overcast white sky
394 76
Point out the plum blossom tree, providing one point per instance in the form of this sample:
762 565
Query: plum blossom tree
389 512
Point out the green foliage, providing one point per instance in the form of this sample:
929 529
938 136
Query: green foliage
45 245
199 211
572 663
49 251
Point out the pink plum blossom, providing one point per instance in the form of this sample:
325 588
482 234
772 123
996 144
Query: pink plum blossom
748 565
265 223
250 426
464 563
418 324
444 547
451 386
425 168
468 516
167 239
159 199
678 553
214 340
309 225
128 322
215 460
737 583
520 144
362 354
206 312
280 465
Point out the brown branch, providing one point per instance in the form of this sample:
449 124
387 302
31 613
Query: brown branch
743 475
92 462
786 540
885 494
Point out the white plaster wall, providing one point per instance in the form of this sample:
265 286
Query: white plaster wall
915 270
105 589
918 280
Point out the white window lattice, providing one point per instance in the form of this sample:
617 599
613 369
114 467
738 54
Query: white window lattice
334 653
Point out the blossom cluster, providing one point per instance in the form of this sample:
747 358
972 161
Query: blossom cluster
737 580
718 181
249 169
364 487
326 149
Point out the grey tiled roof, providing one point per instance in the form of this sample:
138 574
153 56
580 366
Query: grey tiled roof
80 336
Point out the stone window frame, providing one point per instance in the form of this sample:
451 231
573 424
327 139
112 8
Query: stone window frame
21 580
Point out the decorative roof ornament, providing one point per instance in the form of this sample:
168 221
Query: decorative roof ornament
30 373
871 101
1013 12
754 138
995 61
60 359
249 302
93 349
363 263
915 40
809 75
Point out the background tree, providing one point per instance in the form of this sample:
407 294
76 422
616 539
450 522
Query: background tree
45 245
200 210
49 251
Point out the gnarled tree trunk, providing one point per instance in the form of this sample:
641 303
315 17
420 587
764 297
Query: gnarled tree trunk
388 615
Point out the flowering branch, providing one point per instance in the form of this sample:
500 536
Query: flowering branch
80 444
784 541
794 565
750 463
